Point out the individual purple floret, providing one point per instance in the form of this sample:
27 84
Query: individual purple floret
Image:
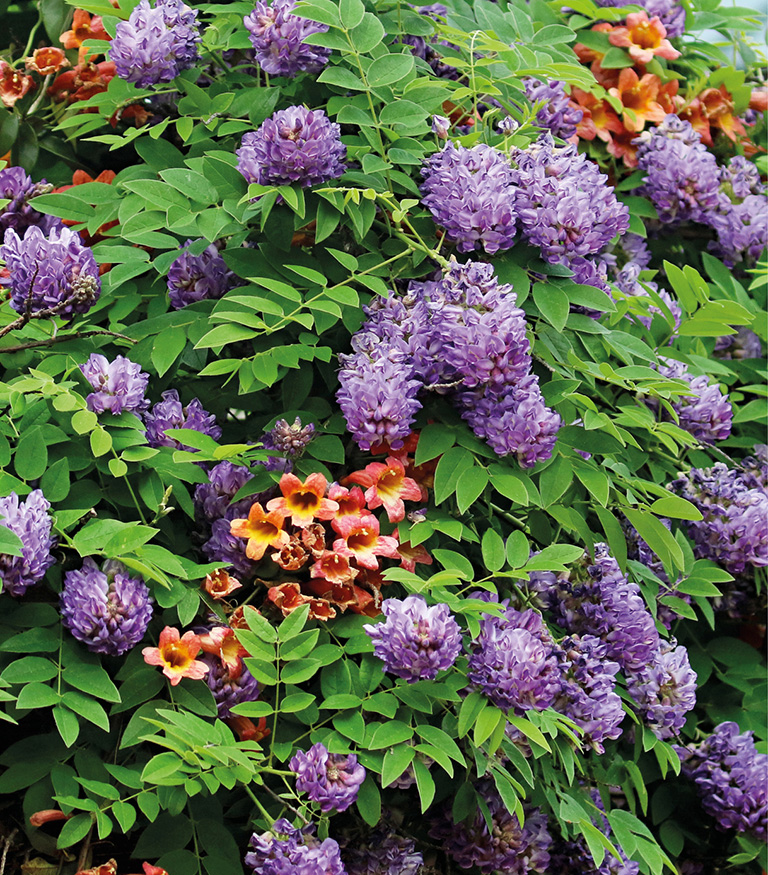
170 413
705 413
507 847
120 384
558 115
740 178
745 344
383 852
290 440
278 39
295 145
156 44
287 850
229 687
19 214
564 204
599 600
416 641
55 273
29 520
330 779
682 176
665 690
514 662
732 779
471 193
193 278
105 608
588 694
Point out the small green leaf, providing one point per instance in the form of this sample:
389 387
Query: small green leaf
492 546
389 69
91 679
369 801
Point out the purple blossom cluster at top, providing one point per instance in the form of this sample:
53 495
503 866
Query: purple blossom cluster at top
290 440
120 384
278 39
732 779
29 520
202 277
462 334
171 413
105 608
19 214
230 687
383 852
287 850
295 145
745 344
417 640
558 115
156 44
50 272
332 780
506 847
671 13
665 690
706 413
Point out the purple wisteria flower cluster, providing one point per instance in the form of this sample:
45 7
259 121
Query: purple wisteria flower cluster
287 850
332 780
230 686
706 413
54 272
156 44
18 189
290 440
745 344
741 218
202 277
171 413
105 608
731 778
278 39
383 852
119 384
504 847
558 115
417 640
461 335
295 145
30 521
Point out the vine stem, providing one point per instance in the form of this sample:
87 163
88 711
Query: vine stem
60 338
258 804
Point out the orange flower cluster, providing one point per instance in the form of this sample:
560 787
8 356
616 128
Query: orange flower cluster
329 532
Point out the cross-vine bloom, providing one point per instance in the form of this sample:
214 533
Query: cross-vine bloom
287 850
665 690
360 539
13 84
278 39
156 44
416 641
193 278
29 520
645 38
295 145
303 502
262 530
558 115
230 685
470 193
219 584
54 272
120 384
706 413
19 190
387 486
105 608
332 780
513 661
732 779
176 654
84 27
170 413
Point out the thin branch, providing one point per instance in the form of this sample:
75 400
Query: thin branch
59 338
7 842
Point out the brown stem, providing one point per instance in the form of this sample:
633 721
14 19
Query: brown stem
285 803
49 341
7 842
84 848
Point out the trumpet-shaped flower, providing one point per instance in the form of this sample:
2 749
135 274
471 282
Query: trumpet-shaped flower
262 530
334 568
219 584
303 502
387 485
176 654
638 95
351 501
288 596
645 38
360 540
221 641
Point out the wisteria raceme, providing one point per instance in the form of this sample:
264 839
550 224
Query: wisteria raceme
740 178
156 44
587 694
558 115
471 193
665 690
278 39
105 608
287 850
507 847
383 852
513 661
706 413
213 500
332 780
295 145
291 440
741 228
223 546
29 520
171 413
564 203
745 344
18 189
230 687
55 272
202 277
120 384
416 641
731 778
